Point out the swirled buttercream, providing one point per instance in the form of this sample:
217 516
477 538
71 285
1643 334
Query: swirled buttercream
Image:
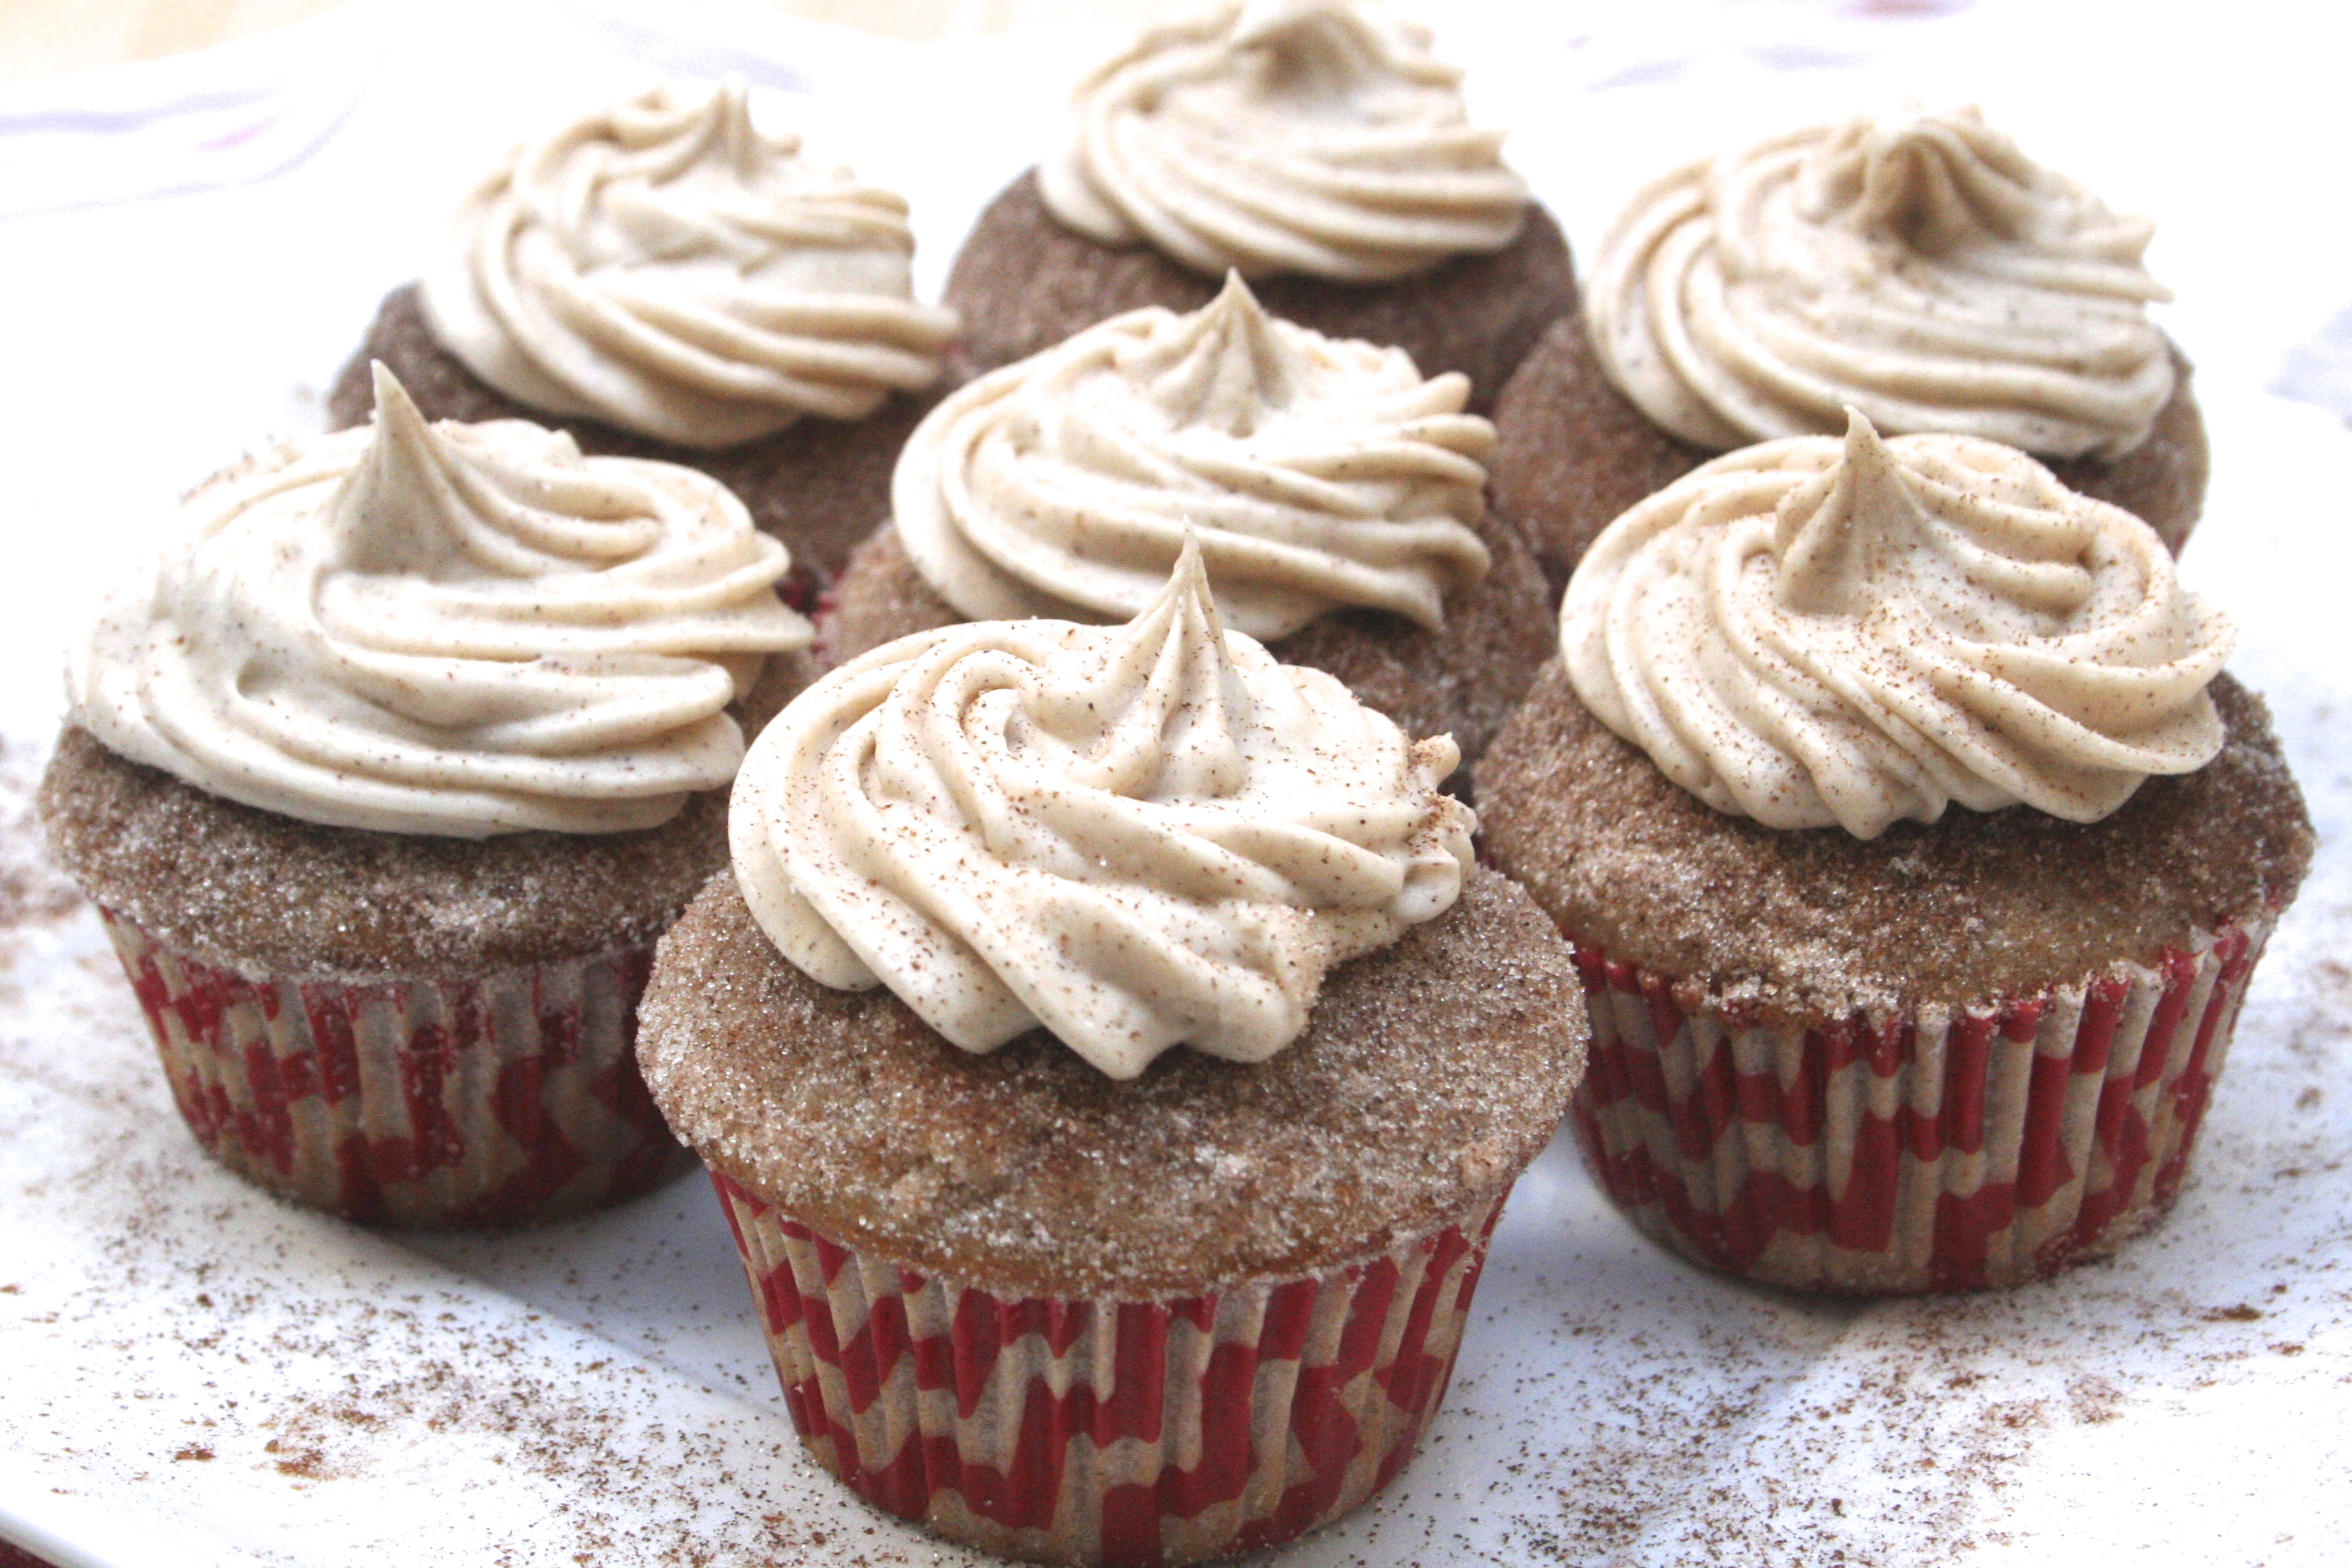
663 266
1818 632
1284 136
446 629
1317 474
1136 836
1917 266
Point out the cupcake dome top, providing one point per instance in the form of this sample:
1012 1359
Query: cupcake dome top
1917 266
1135 836
1818 632
442 629
1431 1072
663 266
1315 473
1317 137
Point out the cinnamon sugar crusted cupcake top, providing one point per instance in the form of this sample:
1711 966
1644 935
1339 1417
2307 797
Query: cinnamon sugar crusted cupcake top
1816 632
1915 266
663 266
1135 836
1317 475
1431 1073
442 629
1284 136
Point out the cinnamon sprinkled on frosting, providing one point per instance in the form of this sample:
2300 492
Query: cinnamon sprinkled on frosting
1284 136
1816 632
1317 474
1915 266
663 266
447 629
1136 836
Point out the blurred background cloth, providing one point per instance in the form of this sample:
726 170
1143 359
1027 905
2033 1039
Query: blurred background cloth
50 37
193 115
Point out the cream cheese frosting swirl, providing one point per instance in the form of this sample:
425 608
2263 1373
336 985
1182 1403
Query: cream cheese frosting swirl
1136 836
1284 136
1916 266
1818 631
663 266
1317 474
442 629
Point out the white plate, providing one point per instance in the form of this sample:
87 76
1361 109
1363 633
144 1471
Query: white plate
195 1375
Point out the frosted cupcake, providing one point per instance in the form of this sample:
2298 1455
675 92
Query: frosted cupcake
1314 146
386 769
664 280
1916 851
1917 266
1337 496
1112 1063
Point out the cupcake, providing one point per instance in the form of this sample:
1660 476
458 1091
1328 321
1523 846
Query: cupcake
1112 1064
1337 498
1314 146
664 281
1916 266
385 771
1847 1037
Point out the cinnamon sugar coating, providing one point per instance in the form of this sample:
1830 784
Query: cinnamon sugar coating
2162 480
1572 452
1431 1073
1023 281
1462 679
819 485
260 892
1816 922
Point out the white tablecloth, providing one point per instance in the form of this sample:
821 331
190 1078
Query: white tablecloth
194 1374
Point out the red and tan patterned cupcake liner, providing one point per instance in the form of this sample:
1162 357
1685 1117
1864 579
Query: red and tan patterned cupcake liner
1106 1431
504 1100
1934 1149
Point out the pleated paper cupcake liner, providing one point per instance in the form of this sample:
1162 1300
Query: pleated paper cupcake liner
1107 1431
1937 1149
507 1099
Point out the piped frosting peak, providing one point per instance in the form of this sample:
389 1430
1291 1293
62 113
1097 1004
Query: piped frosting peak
1223 368
1316 137
1916 266
1317 475
1133 836
664 267
1851 631
443 629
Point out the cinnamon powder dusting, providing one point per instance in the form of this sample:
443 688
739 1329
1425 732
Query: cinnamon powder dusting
189 1345
1612 1405
1667 1415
